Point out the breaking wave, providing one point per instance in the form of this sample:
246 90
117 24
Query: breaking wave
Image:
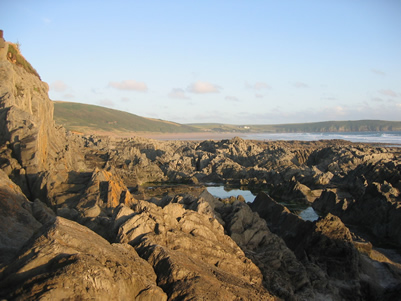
366 137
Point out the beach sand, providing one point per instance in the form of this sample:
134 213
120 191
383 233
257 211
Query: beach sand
188 136
167 136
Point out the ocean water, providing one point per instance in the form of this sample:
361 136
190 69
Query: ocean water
390 138
304 211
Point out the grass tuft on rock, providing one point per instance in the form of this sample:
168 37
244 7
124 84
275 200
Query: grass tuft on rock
15 57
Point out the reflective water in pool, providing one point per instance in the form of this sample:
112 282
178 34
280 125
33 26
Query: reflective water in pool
304 211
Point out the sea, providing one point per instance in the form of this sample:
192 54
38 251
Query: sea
389 138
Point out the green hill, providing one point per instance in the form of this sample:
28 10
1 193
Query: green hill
341 126
313 127
90 118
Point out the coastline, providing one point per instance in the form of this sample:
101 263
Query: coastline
189 136
167 136
382 138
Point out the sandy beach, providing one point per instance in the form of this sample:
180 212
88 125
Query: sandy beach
166 136
188 136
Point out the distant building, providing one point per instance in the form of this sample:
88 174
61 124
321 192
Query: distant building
2 41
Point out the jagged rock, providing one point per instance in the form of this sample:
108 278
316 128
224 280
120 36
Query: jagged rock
65 260
331 246
42 213
94 209
327 251
322 178
332 200
281 221
211 268
105 192
282 273
376 210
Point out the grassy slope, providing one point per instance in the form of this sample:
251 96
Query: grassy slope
90 118
86 118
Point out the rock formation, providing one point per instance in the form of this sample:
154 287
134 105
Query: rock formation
77 221
65 260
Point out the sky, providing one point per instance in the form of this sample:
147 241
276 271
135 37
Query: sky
237 62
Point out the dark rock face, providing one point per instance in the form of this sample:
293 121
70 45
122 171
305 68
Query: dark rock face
283 274
368 198
333 257
76 222
17 222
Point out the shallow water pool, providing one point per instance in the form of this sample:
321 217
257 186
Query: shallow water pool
304 211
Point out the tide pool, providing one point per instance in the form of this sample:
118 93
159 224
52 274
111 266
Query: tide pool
304 211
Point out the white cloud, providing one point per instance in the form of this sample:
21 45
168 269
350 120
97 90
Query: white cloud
378 72
58 86
300 85
336 111
231 98
257 95
178 93
281 114
201 87
388 92
261 85
129 84
328 97
258 86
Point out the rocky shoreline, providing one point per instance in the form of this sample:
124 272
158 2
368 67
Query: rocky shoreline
77 222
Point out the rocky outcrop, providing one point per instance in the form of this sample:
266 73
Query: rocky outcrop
190 253
369 198
333 257
28 129
65 260
283 274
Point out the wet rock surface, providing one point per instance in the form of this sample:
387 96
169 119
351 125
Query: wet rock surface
77 221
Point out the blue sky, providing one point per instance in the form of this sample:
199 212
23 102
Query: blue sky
239 62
